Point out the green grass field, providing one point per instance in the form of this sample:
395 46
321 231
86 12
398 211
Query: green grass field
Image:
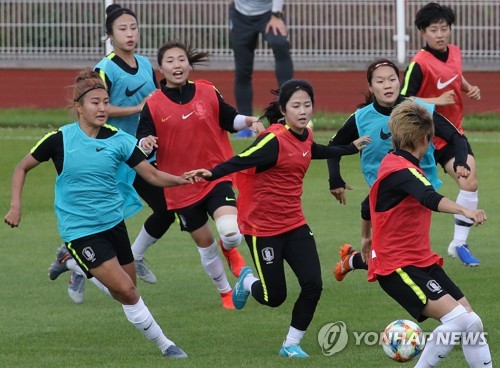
40 327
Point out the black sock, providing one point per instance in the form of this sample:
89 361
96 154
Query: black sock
357 262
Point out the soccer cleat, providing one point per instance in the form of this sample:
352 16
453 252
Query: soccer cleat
466 256
59 265
227 300
240 295
293 351
76 288
143 272
174 352
342 267
234 259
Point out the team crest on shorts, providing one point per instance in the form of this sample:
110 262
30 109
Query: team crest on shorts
434 286
89 254
268 254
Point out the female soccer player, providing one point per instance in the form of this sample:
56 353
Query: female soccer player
270 209
130 80
371 119
191 121
89 207
435 75
401 205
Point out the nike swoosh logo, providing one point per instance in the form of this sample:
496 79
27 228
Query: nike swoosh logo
99 149
441 85
147 328
292 354
132 92
441 357
229 199
384 135
184 117
73 150
165 119
311 233
304 154
487 362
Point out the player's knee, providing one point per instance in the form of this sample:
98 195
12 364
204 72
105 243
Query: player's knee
312 290
276 299
475 323
227 227
126 294
470 185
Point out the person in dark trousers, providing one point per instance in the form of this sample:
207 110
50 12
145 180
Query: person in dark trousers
270 179
89 205
435 75
248 19
401 259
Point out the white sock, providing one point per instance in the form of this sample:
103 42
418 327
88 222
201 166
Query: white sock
142 243
438 345
73 266
142 319
213 266
100 285
477 353
294 336
248 282
468 200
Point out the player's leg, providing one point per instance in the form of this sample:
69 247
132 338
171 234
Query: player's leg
301 254
195 221
467 197
280 45
458 319
221 205
154 227
107 257
244 35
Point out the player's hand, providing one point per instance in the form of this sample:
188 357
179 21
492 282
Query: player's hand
198 174
478 216
462 172
277 26
13 217
360 143
474 93
366 246
147 144
447 98
255 123
339 194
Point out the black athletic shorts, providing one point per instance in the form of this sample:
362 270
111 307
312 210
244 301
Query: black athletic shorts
93 250
412 286
195 216
447 153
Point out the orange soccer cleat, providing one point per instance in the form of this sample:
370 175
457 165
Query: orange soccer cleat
342 267
227 300
234 259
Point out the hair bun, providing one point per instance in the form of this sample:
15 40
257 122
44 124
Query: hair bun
112 8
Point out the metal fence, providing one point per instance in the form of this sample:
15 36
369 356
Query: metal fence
336 34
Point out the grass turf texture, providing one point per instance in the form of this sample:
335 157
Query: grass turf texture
40 327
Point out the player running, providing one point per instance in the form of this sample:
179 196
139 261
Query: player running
270 182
